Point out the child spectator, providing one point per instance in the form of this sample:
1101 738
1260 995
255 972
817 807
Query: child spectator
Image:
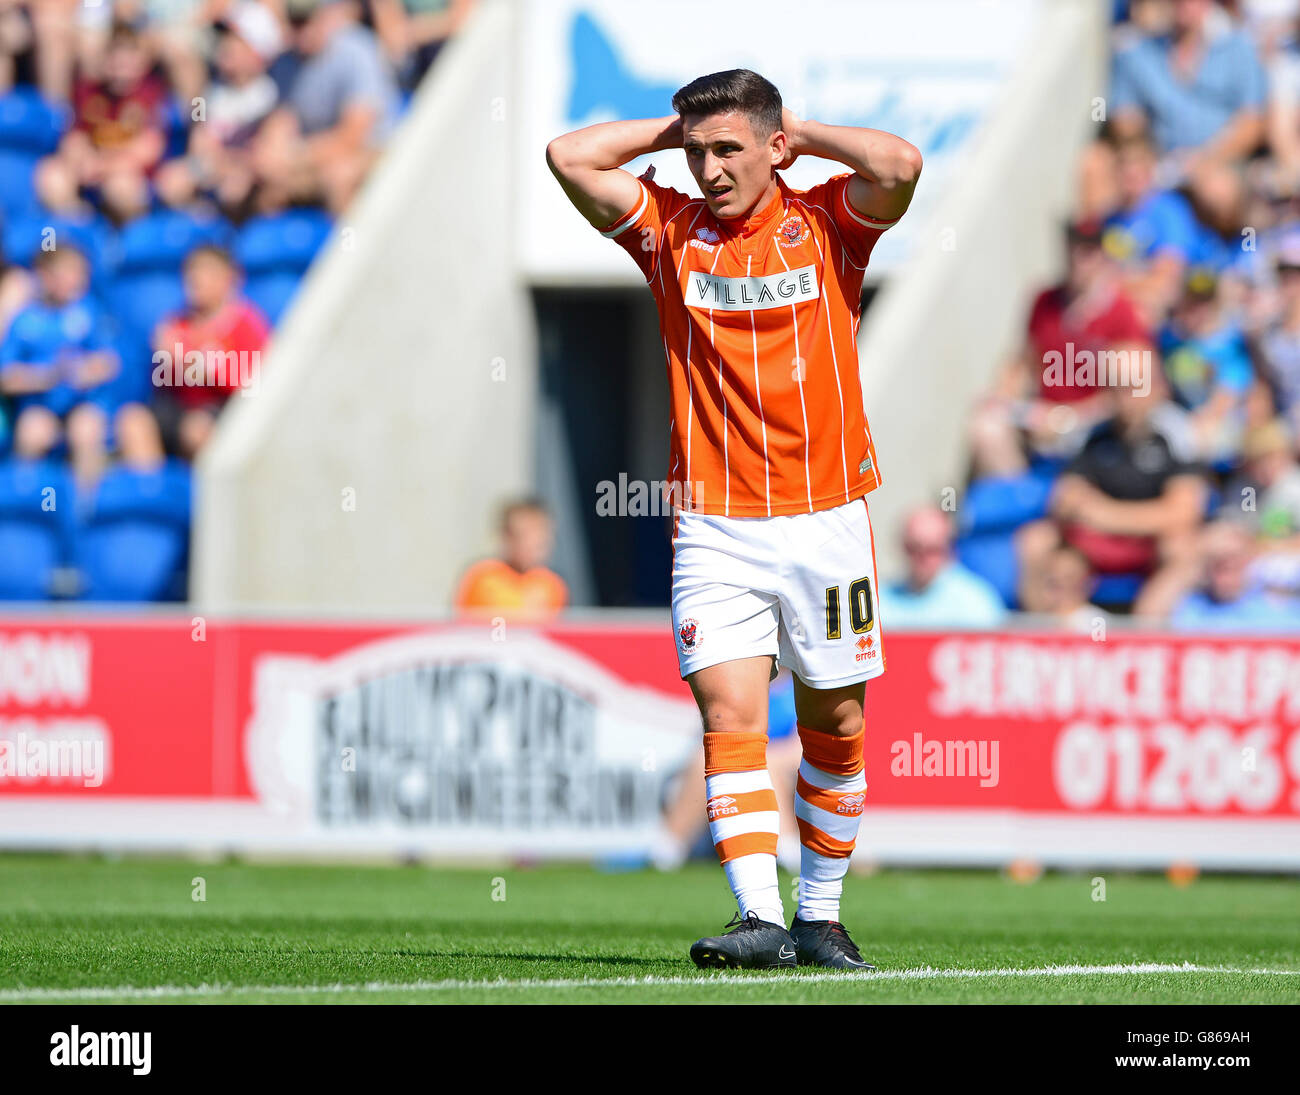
517 584
57 360
1066 584
221 326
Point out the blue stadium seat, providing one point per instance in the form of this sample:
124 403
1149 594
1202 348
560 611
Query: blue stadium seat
143 300
272 293
29 124
133 537
992 556
160 240
29 129
17 195
987 520
34 538
1117 590
274 252
1002 504
282 241
25 233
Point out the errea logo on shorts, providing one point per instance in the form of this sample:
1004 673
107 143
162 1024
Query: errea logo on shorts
751 294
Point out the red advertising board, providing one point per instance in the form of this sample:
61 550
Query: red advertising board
564 738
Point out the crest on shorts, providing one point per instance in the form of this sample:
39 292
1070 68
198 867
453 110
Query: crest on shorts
689 633
793 231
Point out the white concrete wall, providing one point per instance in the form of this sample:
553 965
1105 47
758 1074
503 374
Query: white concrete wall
404 374
941 326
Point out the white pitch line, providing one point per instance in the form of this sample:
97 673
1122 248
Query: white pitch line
924 973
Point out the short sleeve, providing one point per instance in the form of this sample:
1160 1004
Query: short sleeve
366 78
640 230
857 232
1123 82
1253 84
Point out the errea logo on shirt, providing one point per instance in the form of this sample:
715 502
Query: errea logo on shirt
751 294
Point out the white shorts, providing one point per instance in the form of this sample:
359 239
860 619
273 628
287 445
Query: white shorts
800 587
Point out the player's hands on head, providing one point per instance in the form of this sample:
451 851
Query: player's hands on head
790 127
673 135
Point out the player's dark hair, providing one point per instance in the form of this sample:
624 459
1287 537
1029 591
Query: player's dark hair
737 90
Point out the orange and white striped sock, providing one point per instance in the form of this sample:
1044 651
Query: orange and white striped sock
828 806
743 819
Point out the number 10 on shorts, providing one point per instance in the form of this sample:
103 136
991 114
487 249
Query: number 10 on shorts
861 616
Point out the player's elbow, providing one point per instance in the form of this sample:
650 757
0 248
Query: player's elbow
559 156
907 165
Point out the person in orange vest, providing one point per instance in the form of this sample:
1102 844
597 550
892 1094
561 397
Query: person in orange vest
516 584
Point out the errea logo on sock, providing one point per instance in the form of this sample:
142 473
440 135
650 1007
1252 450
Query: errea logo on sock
722 806
851 804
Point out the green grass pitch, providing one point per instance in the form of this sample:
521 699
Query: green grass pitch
128 930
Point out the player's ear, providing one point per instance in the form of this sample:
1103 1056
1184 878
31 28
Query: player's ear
776 146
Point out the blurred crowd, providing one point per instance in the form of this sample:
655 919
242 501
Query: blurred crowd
168 171
1139 453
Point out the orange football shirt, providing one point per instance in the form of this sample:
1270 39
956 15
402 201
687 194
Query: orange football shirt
492 585
759 319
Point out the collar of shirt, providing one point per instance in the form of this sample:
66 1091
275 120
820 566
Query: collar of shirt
747 227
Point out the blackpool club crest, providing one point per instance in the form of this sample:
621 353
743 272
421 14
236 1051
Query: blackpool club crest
793 231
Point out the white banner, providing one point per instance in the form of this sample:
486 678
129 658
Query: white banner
928 70
455 740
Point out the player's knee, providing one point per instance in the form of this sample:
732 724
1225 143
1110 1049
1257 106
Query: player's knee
726 716
842 723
